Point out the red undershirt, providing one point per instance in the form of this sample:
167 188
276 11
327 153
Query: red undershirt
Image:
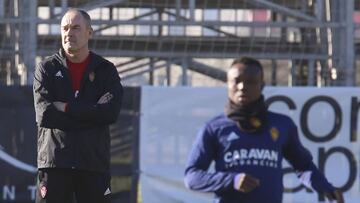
77 71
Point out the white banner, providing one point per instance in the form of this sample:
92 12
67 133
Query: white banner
328 126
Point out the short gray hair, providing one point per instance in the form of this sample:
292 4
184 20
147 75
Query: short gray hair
83 13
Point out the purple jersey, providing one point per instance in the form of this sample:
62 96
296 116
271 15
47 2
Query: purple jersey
258 154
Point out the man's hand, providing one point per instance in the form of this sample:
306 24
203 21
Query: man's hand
60 106
335 196
245 182
105 98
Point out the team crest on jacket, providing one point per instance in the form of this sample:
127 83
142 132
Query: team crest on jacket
43 191
274 132
92 76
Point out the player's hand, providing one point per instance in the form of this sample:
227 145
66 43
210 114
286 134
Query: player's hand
245 182
336 196
60 106
105 98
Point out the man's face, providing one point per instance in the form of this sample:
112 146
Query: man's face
75 33
244 84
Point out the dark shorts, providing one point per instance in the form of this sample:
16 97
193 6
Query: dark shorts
65 185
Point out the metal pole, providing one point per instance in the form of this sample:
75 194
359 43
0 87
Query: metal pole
64 6
350 47
311 73
293 80
324 37
168 72
192 9
30 52
151 71
185 65
51 8
273 72
332 11
178 9
2 9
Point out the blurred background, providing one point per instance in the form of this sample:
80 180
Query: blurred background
192 42
172 43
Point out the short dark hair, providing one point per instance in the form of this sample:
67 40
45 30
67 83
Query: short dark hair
249 62
83 13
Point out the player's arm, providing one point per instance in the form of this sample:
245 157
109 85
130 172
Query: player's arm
47 115
309 175
197 176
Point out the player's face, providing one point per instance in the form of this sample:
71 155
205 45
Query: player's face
244 84
75 33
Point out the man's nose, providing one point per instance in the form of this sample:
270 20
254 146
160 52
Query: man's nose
240 85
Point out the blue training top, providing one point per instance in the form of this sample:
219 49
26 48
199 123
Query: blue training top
258 154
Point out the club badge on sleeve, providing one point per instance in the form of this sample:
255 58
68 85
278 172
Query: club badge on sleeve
274 132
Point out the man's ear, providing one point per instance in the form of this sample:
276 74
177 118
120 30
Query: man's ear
91 31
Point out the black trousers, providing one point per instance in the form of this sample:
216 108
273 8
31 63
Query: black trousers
69 186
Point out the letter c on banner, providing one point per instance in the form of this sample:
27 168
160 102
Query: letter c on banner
304 119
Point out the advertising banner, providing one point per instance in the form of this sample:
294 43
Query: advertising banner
17 145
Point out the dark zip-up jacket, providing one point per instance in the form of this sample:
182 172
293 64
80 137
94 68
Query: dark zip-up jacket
78 138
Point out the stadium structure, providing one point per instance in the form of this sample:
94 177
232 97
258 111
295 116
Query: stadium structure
172 43
192 42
